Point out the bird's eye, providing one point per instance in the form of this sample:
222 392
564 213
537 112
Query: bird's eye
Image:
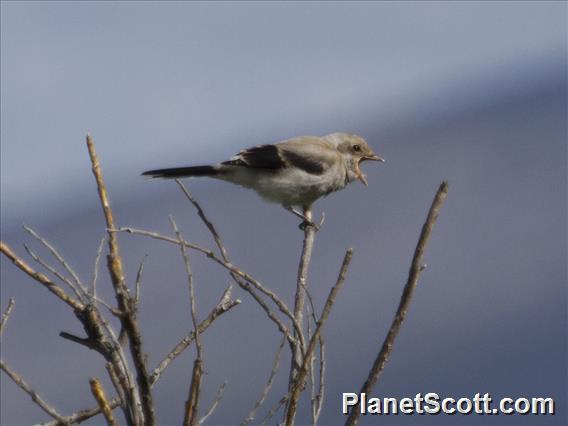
356 148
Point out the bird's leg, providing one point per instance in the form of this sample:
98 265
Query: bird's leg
306 216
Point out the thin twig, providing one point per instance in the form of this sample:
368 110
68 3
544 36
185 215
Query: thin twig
413 275
99 395
192 403
128 321
40 278
139 279
232 268
317 398
58 256
267 387
22 384
96 268
321 388
206 221
225 304
281 402
224 255
189 274
298 385
55 272
214 405
111 309
6 314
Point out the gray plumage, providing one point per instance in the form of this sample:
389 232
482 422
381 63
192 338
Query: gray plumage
295 172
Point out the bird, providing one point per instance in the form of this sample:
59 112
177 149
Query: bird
293 173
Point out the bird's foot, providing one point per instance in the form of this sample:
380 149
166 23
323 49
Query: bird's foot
307 222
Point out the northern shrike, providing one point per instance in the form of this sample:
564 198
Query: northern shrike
295 172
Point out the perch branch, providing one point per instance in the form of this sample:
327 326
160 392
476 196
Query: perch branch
298 384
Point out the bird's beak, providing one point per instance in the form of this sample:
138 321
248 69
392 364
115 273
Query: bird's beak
374 157
360 174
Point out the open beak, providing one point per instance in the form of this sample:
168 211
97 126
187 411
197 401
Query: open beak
373 157
360 174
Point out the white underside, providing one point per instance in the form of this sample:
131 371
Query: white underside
289 187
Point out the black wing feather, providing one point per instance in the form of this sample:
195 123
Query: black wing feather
262 157
272 158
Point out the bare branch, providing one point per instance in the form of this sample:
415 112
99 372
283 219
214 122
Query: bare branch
206 221
55 272
216 402
40 278
190 285
225 304
6 315
99 394
302 373
18 380
58 256
301 286
96 268
224 255
413 276
115 380
81 416
267 387
192 403
232 268
319 398
139 279
128 320
274 409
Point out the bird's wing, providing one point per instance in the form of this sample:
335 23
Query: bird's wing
258 157
310 154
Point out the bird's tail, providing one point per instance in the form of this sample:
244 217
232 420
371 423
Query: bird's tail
181 172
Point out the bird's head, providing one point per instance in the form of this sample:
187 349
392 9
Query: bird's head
354 150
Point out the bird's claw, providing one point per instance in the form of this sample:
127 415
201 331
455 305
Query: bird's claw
307 223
